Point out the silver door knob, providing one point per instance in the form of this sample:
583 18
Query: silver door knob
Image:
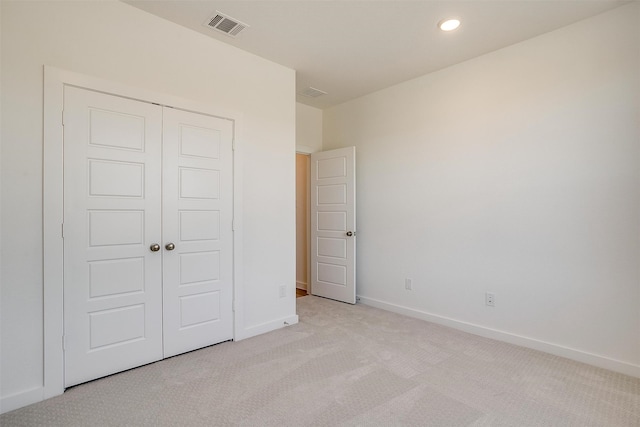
155 247
170 246
350 233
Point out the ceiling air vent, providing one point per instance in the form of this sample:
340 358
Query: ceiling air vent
225 24
312 92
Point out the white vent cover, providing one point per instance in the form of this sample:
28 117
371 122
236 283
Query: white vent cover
225 24
312 92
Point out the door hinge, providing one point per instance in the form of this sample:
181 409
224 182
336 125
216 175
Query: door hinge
62 117
233 225
233 144
64 342
62 229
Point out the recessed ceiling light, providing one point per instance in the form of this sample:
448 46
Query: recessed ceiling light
449 24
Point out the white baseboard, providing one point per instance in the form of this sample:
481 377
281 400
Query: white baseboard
21 399
555 349
301 285
262 328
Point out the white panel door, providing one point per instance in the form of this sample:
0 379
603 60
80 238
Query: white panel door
112 215
333 224
198 252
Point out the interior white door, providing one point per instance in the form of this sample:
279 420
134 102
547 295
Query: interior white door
333 224
197 223
112 216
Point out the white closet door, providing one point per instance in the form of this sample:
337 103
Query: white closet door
112 215
197 224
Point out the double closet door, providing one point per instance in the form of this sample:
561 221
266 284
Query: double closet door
148 244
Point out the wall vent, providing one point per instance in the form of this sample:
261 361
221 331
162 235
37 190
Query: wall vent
312 92
225 24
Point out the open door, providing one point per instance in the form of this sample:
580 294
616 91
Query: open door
333 224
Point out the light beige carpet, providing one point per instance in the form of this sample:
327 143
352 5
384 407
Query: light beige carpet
351 366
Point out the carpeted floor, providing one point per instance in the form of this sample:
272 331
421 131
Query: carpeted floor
350 366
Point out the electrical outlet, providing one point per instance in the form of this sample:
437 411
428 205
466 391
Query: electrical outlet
283 291
408 284
490 299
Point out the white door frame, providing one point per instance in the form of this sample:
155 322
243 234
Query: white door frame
53 205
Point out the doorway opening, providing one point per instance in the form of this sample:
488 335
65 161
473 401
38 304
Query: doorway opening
303 281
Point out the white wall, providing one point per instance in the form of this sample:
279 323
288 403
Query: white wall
115 41
517 173
1 97
308 129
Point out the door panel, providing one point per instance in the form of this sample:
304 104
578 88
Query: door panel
333 243
198 203
116 179
112 207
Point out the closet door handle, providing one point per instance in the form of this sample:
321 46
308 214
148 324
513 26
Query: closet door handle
170 246
155 247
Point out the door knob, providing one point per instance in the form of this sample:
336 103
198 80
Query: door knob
170 246
155 247
350 233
